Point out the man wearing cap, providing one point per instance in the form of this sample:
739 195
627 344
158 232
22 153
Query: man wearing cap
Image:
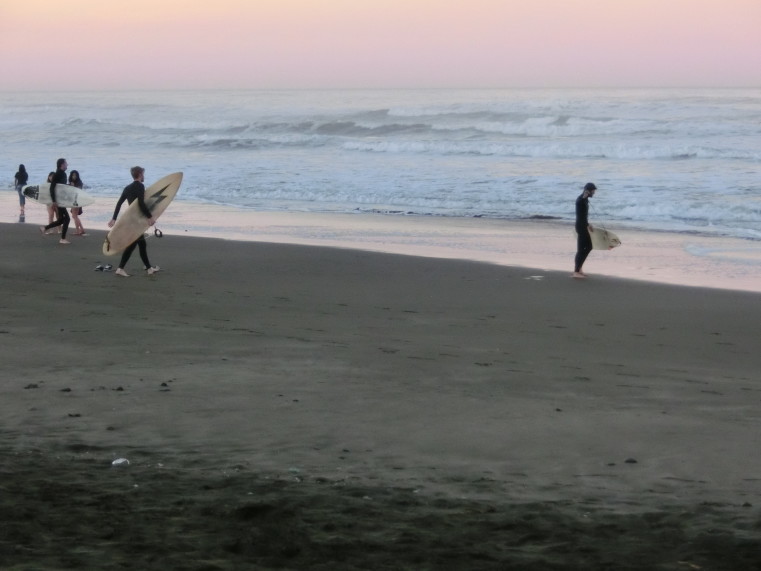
583 228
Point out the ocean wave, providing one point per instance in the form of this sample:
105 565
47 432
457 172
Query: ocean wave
554 127
521 198
556 150
682 160
561 137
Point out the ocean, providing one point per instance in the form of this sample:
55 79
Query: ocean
683 160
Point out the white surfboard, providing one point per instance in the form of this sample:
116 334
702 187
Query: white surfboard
132 223
603 239
66 196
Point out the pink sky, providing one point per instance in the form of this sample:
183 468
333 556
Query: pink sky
84 44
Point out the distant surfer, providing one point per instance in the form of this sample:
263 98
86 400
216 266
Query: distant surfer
20 180
132 192
583 228
76 181
59 177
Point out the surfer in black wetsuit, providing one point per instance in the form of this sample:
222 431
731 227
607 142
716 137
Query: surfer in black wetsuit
132 192
63 215
583 228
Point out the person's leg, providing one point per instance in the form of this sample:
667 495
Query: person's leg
59 218
54 223
21 198
125 258
63 216
583 248
75 218
143 249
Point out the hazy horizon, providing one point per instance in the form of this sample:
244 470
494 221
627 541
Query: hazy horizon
380 44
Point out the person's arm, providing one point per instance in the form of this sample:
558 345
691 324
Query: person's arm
54 183
119 203
143 206
585 212
586 218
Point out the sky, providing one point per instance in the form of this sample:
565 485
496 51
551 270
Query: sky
273 44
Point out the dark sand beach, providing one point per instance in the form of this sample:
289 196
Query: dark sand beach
301 407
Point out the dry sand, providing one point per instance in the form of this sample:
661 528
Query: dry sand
297 407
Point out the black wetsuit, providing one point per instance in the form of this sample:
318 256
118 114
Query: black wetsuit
584 240
132 192
63 216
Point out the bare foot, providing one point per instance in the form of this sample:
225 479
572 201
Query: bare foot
579 275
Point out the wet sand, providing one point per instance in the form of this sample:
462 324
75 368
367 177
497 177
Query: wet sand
303 407
693 260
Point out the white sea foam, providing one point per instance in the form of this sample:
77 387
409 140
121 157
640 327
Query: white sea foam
673 159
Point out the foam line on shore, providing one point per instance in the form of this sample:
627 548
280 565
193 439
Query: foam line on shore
673 258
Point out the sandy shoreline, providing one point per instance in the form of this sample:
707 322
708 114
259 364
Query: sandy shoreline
663 257
288 406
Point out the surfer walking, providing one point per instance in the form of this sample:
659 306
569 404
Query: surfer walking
132 192
583 228
76 181
63 217
20 180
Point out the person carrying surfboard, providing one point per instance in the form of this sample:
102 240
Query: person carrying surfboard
132 192
583 228
76 181
63 216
